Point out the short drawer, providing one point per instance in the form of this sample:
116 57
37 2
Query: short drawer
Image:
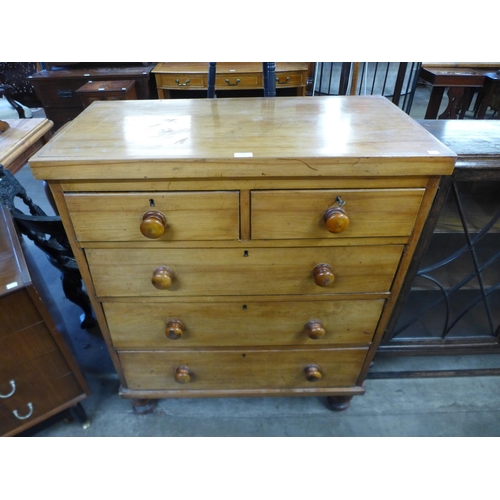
234 271
185 216
17 312
290 79
39 387
249 323
242 369
238 80
182 81
295 214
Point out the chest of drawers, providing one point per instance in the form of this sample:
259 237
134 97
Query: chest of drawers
38 374
243 246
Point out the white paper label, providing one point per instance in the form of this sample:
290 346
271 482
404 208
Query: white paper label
11 285
243 155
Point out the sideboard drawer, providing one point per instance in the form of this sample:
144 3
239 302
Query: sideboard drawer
294 214
187 216
242 369
239 80
244 323
11 318
233 271
290 78
187 80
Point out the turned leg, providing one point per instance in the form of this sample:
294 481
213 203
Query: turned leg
72 287
143 406
338 403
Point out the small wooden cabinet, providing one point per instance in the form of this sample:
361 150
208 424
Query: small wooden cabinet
244 247
38 375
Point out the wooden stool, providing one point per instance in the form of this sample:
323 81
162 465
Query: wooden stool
112 90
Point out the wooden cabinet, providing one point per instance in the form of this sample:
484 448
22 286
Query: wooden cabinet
56 88
38 375
244 246
229 77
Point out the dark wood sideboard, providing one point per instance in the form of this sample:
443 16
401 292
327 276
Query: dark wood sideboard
39 376
56 88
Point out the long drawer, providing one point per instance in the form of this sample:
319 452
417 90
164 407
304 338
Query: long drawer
242 369
189 216
293 214
171 325
233 271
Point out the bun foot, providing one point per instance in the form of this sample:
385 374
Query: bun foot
143 406
338 403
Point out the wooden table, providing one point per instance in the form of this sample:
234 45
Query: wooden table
230 76
458 80
23 139
243 247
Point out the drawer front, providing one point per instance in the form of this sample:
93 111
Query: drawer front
60 93
242 369
24 346
238 80
234 271
295 214
37 387
182 81
290 79
171 325
17 312
188 216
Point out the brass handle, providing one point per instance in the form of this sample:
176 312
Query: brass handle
181 84
315 329
280 82
232 84
182 375
153 225
163 278
313 373
336 220
323 275
175 329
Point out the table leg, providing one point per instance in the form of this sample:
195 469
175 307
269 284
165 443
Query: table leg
489 90
434 103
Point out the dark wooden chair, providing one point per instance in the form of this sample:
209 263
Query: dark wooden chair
47 233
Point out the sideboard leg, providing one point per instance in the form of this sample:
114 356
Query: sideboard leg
143 406
79 412
338 403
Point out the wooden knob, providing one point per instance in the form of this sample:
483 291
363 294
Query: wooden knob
336 220
323 275
153 225
162 278
182 375
175 329
312 373
315 330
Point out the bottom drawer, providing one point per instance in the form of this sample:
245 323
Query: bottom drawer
242 369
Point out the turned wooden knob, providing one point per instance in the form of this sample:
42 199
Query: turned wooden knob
162 278
153 224
336 220
175 329
323 275
182 375
313 373
315 330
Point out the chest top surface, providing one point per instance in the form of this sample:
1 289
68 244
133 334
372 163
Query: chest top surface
217 137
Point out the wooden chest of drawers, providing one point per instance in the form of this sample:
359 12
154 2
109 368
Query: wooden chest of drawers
38 375
243 246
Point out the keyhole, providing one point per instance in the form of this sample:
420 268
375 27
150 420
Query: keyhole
245 253
151 202
245 307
